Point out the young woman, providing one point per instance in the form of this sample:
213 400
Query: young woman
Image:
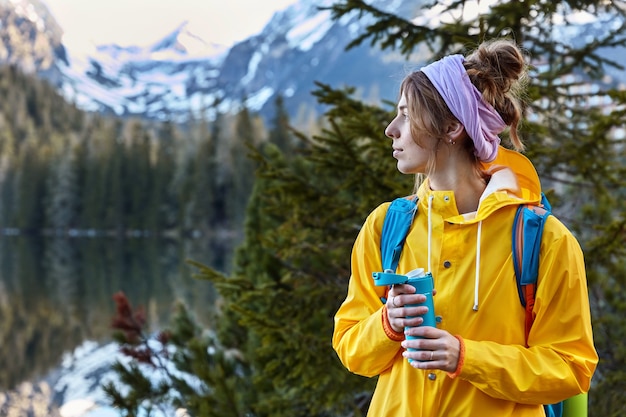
476 362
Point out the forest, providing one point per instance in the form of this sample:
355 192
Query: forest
70 173
299 198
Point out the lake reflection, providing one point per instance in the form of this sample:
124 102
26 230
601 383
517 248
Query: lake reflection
56 293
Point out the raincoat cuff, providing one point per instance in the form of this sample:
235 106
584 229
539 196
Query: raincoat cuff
459 365
389 331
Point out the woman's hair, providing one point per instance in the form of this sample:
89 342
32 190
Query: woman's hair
497 69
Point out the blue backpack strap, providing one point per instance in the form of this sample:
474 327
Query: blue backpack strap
553 410
396 226
527 230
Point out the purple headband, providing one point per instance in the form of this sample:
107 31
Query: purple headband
481 121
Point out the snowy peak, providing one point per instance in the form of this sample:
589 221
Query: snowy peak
179 45
182 41
174 40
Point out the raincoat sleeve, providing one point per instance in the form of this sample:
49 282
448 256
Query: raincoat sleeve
359 338
560 358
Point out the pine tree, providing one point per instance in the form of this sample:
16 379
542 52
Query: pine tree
102 199
30 183
61 207
8 150
137 178
115 197
165 195
242 169
79 156
203 194
280 134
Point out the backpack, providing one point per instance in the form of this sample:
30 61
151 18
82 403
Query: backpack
526 240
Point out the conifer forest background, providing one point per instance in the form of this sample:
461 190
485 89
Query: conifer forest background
295 198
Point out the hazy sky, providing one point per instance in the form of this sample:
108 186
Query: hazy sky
141 22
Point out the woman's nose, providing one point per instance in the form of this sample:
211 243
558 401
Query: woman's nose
391 131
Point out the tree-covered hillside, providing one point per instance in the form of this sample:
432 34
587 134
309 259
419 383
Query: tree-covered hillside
67 172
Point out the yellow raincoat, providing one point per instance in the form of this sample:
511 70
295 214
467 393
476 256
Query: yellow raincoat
500 376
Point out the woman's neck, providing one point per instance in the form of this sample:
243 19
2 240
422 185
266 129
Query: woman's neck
467 183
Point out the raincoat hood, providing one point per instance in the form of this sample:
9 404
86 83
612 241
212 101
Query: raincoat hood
513 181
529 186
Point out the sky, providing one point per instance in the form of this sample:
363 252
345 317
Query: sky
141 22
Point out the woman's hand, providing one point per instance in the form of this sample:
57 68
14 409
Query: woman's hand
399 316
435 349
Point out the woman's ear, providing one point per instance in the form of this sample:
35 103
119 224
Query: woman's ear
455 132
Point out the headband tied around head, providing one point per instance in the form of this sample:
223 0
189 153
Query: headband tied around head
481 121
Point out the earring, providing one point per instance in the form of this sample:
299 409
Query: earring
452 142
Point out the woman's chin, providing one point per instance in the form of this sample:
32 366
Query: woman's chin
403 169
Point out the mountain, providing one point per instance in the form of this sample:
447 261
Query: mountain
182 75
31 39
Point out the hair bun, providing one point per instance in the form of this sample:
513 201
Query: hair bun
498 70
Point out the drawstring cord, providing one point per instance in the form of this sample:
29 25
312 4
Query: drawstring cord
430 230
477 275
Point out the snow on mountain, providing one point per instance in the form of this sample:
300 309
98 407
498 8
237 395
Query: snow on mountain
147 81
306 25
185 44
182 74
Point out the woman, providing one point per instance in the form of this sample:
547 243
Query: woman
476 361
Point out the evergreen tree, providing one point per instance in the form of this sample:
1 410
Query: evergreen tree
90 202
243 166
280 134
138 179
203 179
114 183
30 184
7 180
100 140
79 156
61 207
165 195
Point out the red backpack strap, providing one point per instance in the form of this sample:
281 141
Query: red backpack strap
529 296
526 243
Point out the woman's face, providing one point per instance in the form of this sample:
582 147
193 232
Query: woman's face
412 158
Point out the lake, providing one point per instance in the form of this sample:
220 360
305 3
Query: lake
56 293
